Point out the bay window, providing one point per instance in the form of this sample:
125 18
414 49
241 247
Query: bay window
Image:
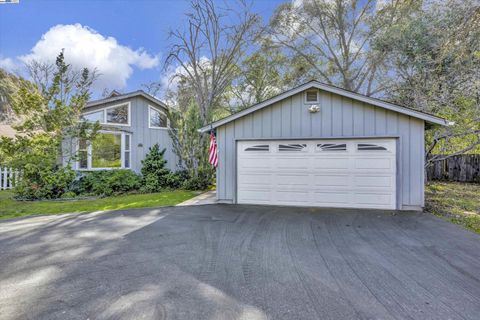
82 154
126 151
108 150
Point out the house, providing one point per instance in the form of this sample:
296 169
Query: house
130 124
319 145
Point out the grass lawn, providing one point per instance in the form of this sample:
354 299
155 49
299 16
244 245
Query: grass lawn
457 202
9 208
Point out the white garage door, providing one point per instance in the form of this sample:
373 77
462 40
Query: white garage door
325 173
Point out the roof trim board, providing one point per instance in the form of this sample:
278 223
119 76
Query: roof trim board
96 103
332 89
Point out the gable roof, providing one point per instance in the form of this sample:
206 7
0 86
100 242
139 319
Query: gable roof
117 97
332 89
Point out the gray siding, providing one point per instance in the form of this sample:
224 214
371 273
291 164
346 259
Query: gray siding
339 117
142 136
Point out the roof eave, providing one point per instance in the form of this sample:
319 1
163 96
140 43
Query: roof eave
100 102
315 84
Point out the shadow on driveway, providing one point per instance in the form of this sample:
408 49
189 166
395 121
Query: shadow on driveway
238 262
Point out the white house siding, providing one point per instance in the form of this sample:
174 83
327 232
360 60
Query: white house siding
339 117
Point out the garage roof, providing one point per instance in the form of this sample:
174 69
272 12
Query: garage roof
329 88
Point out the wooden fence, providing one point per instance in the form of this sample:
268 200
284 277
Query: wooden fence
464 168
8 177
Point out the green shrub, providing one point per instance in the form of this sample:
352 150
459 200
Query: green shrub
68 195
156 176
175 180
43 181
199 182
107 182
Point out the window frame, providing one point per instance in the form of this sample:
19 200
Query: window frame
311 102
318 148
150 107
104 110
116 106
122 152
256 148
292 150
374 147
86 149
92 112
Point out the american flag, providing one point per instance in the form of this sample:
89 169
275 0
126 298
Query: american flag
213 154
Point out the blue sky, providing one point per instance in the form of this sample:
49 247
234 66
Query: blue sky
138 31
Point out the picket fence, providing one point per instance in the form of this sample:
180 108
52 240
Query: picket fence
8 178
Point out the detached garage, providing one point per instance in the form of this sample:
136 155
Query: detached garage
321 146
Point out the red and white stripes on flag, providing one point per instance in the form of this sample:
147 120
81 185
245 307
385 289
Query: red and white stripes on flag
213 153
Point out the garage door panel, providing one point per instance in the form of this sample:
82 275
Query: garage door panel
255 163
256 196
299 195
373 163
255 178
330 163
325 180
314 177
298 179
374 181
373 198
292 163
330 197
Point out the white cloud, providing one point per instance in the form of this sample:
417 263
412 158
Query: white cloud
171 77
8 64
85 47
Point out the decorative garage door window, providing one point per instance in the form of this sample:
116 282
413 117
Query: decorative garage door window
292 147
332 147
258 147
370 147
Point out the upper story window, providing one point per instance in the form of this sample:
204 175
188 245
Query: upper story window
115 115
311 96
94 116
118 114
157 119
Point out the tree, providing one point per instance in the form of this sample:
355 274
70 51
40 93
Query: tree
262 74
9 83
205 56
54 102
187 142
209 50
152 88
49 113
434 63
154 171
334 36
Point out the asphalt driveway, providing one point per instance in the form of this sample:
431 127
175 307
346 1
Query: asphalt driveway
238 262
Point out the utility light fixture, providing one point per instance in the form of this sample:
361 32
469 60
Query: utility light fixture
314 108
